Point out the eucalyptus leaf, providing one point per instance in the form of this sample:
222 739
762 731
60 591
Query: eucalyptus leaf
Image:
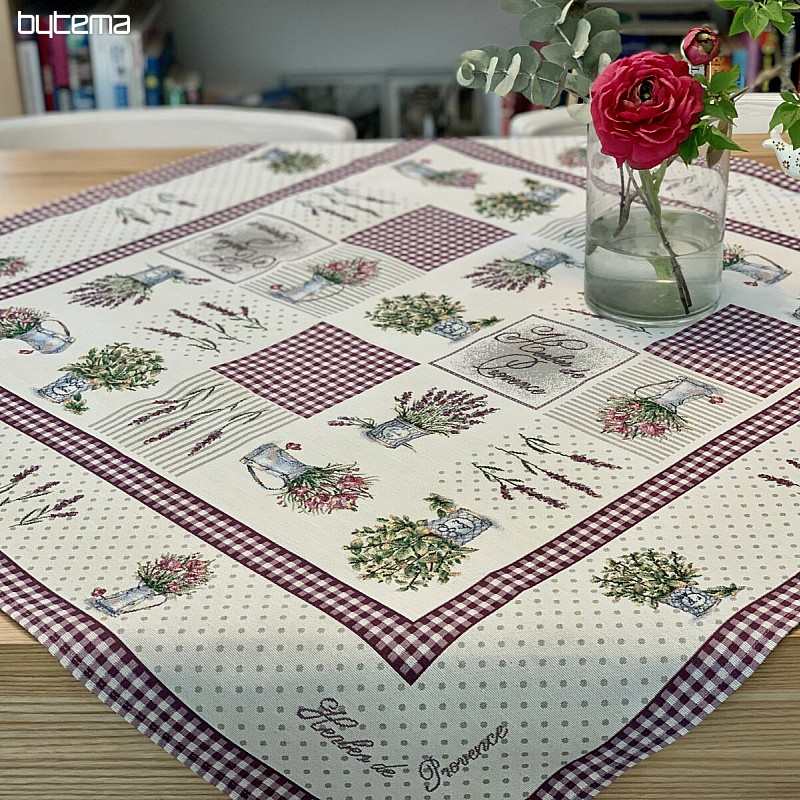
603 19
604 42
516 6
559 53
581 40
539 24
507 83
550 80
579 85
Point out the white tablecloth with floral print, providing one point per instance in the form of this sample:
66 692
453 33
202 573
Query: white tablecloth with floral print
317 469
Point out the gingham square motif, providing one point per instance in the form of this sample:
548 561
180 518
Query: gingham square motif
745 349
428 237
315 369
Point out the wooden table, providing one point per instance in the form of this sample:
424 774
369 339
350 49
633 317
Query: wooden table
59 742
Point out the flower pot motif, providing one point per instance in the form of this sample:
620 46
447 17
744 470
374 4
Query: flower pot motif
315 288
545 258
395 432
137 598
679 391
154 275
47 341
461 526
453 328
765 273
692 600
273 460
413 169
68 385
546 194
272 155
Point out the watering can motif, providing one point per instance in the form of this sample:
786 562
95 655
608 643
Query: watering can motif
453 328
47 341
461 526
546 258
413 169
153 275
273 460
546 194
676 392
395 432
137 598
315 288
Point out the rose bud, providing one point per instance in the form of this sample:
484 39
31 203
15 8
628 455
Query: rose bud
700 46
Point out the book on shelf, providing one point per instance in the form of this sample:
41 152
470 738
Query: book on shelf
157 62
118 60
30 72
46 66
81 83
60 61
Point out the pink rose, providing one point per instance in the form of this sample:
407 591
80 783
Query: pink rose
700 46
643 108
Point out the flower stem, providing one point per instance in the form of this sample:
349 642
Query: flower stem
649 194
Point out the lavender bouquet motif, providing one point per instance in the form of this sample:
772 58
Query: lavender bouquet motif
328 280
111 291
438 411
656 414
516 274
168 576
455 178
25 324
413 553
11 265
305 488
114 367
420 313
649 577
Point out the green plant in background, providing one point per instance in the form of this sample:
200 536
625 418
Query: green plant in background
18 321
119 366
399 550
418 312
649 577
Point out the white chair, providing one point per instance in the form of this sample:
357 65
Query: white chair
755 111
169 126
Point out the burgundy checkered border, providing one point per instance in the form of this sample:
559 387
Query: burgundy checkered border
710 676
109 669
408 646
124 186
495 155
743 348
766 235
315 369
764 172
203 223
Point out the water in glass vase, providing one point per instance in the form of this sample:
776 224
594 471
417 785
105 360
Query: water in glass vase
629 277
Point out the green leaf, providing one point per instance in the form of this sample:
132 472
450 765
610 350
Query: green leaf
719 141
737 23
549 84
794 134
756 21
604 42
784 24
730 5
605 19
559 53
721 82
688 151
579 85
791 97
516 6
538 25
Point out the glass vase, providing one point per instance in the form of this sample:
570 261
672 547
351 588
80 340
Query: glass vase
654 238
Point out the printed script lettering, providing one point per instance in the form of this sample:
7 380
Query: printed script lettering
328 719
431 769
541 345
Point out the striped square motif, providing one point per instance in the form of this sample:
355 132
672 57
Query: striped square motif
315 369
743 348
428 237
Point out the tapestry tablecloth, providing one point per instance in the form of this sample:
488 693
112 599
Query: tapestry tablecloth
318 471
